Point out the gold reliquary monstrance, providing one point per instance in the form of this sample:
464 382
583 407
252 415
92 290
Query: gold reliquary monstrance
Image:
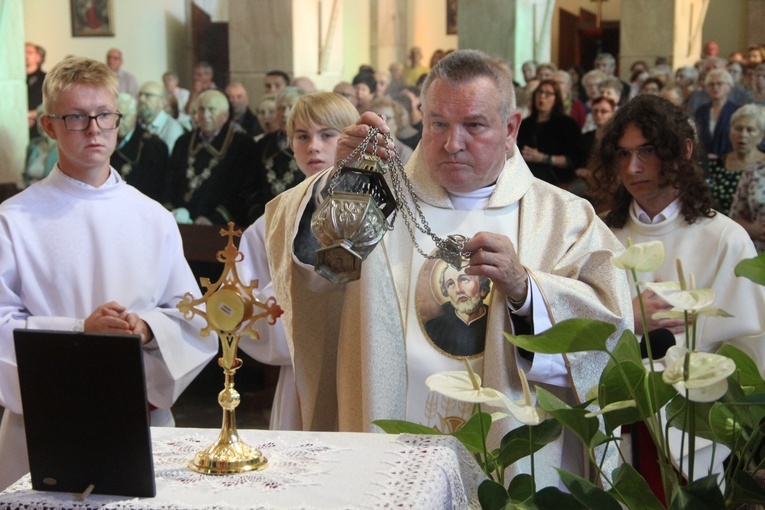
231 310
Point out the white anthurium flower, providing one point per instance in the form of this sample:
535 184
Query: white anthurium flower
466 387
708 374
643 257
613 406
677 313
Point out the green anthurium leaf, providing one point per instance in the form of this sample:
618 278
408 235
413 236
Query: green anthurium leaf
572 335
678 408
632 490
492 495
404 427
654 385
472 435
587 493
586 429
701 494
753 269
627 348
527 439
552 498
726 427
615 384
521 487
747 490
747 373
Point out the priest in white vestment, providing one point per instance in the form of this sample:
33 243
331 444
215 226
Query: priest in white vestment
83 251
361 351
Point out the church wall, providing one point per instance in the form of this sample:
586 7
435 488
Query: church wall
428 21
726 23
152 35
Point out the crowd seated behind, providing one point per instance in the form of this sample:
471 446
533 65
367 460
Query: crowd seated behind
550 140
42 153
241 114
273 165
140 157
152 114
211 167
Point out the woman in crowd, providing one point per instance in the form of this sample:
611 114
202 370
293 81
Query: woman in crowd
274 161
313 129
748 207
758 84
652 86
394 116
266 114
713 119
603 108
746 132
550 140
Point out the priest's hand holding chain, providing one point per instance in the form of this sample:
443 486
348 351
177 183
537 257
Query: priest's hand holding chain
494 256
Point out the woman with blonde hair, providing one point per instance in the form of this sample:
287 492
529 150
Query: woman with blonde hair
313 129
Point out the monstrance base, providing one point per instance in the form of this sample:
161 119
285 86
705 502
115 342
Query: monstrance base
226 458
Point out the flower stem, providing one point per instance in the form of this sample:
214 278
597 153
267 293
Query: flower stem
531 449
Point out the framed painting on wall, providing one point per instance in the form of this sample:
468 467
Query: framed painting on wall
451 17
92 18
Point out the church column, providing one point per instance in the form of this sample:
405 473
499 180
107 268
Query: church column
14 135
301 37
516 30
389 32
674 26
755 28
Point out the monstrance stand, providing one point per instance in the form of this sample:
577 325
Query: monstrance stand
230 310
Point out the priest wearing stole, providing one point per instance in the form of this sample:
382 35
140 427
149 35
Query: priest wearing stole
83 251
361 350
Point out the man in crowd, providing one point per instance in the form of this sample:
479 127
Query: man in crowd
360 349
210 167
82 251
203 80
348 91
241 115
606 63
275 81
415 69
34 56
152 100
126 80
140 156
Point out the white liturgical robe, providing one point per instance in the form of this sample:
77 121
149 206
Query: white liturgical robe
67 248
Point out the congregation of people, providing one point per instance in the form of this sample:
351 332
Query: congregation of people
545 180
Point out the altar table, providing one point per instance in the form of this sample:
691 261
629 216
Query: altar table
306 470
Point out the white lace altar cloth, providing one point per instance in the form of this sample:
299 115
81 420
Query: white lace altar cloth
306 470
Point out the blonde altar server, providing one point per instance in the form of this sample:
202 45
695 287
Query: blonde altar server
83 251
313 129
362 351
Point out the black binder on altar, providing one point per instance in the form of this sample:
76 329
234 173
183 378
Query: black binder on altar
85 412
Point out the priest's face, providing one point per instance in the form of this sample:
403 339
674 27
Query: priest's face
465 136
82 152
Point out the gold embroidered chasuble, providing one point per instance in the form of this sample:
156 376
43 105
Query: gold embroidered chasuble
347 342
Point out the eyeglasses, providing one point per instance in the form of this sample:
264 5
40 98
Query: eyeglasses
80 122
546 93
645 153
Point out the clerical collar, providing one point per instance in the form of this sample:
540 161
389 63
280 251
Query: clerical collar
643 217
472 200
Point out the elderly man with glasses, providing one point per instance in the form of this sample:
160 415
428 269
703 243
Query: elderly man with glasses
83 251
